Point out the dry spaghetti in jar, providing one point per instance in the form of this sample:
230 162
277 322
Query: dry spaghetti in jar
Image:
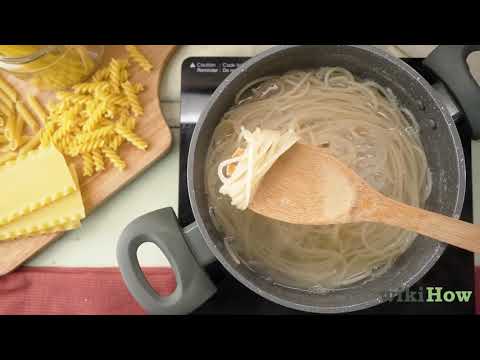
51 67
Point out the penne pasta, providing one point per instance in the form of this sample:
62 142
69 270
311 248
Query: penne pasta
8 89
37 108
6 100
31 144
7 157
19 124
10 127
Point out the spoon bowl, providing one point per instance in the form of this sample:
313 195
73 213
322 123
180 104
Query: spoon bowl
306 185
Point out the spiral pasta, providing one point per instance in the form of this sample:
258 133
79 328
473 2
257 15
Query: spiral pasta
93 119
90 87
116 161
95 135
115 70
136 55
132 97
88 146
101 74
88 164
98 160
131 137
96 116
115 142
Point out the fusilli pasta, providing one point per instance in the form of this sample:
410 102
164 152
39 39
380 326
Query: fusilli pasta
115 70
88 164
96 117
98 160
116 161
131 137
132 98
136 55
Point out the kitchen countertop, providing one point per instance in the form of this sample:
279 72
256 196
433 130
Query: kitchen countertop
93 245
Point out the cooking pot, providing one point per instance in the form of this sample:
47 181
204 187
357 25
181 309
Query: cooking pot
190 249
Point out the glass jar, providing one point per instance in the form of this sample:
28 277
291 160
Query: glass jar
51 67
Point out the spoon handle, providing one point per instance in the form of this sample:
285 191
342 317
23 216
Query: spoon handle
443 228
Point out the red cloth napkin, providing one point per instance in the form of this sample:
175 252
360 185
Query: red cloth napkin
88 291
82 291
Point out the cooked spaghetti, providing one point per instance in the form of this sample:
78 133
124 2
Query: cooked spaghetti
359 122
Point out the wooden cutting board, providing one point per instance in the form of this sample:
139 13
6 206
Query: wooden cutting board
98 188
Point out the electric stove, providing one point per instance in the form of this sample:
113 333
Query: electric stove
454 270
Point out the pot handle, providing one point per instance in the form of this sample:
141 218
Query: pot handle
449 63
160 227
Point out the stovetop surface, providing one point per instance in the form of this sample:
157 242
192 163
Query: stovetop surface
453 271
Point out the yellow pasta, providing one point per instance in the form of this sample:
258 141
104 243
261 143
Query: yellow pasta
115 142
8 90
37 108
27 116
90 87
98 134
67 124
7 157
116 161
136 55
10 132
88 164
98 160
19 124
103 89
138 88
101 74
60 68
95 117
123 75
31 144
104 116
23 140
88 146
46 134
130 123
132 98
115 70
6 110
131 137
124 63
6 101
18 50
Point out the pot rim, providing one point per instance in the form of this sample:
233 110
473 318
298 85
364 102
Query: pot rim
312 308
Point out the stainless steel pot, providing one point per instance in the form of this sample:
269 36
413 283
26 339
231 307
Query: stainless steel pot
189 250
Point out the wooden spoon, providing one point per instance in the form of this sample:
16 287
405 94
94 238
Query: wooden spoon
306 185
